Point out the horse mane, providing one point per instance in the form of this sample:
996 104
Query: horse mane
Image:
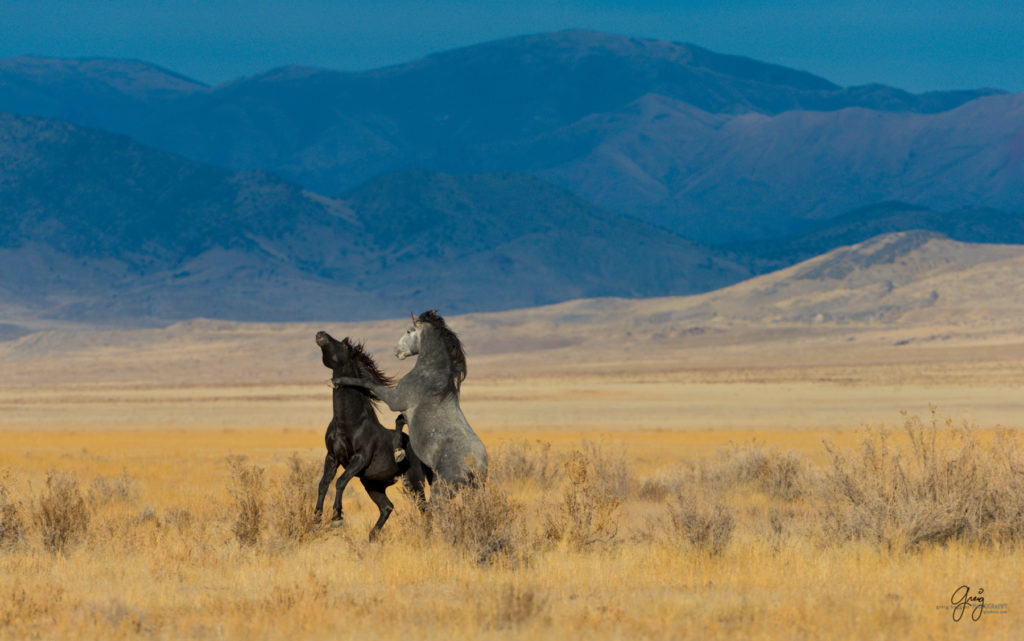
452 345
367 364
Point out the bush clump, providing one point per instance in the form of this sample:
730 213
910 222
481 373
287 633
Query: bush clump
12 520
520 461
483 521
704 522
292 508
941 485
779 475
590 503
248 493
61 513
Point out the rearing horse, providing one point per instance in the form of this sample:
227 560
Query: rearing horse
429 397
357 441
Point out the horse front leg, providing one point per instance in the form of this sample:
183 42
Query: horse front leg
330 469
393 397
354 468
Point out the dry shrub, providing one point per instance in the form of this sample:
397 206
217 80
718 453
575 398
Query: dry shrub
590 504
12 520
61 513
535 462
115 614
665 484
293 502
610 470
524 461
948 486
512 606
104 490
307 595
485 522
653 489
18 604
180 518
777 474
248 492
1003 508
703 521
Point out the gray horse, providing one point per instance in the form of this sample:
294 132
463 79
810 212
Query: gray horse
429 397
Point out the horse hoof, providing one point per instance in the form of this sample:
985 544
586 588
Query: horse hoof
399 455
337 522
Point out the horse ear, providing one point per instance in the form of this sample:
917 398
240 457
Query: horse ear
413 317
344 341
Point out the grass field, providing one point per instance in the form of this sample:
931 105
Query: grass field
630 502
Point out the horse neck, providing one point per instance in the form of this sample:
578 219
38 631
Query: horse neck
349 402
433 354
435 365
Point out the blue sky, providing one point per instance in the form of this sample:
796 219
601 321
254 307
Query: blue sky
915 45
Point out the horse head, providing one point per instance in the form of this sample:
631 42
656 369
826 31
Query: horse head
349 358
337 355
409 344
431 336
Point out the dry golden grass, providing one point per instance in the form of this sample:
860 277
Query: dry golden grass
735 544
683 492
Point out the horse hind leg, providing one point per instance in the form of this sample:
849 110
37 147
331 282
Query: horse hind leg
414 480
379 496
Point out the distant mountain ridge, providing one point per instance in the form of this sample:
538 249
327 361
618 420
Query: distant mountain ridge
968 225
902 277
131 78
94 226
518 240
115 95
87 193
714 147
509 174
889 282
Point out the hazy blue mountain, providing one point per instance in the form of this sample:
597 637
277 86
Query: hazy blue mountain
89 194
718 179
715 147
514 238
969 225
94 226
117 95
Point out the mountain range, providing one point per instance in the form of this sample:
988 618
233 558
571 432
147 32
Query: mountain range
513 173
966 224
94 226
906 297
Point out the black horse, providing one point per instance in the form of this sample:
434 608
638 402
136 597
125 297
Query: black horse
358 442
428 396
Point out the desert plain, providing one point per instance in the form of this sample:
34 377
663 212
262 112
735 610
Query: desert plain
779 459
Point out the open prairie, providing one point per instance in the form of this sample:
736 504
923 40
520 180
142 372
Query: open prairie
668 468
635 492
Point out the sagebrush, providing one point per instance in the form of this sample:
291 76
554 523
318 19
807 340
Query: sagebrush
940 484
61 513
